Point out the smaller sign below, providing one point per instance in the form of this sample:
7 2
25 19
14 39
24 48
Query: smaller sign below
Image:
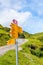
11 41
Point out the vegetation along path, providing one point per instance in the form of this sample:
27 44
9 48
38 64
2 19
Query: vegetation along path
4 49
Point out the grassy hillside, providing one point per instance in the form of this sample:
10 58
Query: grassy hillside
38 36
31 53
5 36
25 56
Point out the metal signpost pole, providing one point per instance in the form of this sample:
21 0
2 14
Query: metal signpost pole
16 52
15 29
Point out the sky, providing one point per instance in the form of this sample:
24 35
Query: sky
28 13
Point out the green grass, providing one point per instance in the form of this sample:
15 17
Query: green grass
3 32
4 35
25 57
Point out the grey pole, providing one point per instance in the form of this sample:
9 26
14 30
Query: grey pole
16 52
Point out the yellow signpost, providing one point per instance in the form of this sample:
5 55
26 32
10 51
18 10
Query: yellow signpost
15 29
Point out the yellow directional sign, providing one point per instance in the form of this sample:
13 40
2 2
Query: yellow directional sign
14 34
15 30
11 41
14 27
